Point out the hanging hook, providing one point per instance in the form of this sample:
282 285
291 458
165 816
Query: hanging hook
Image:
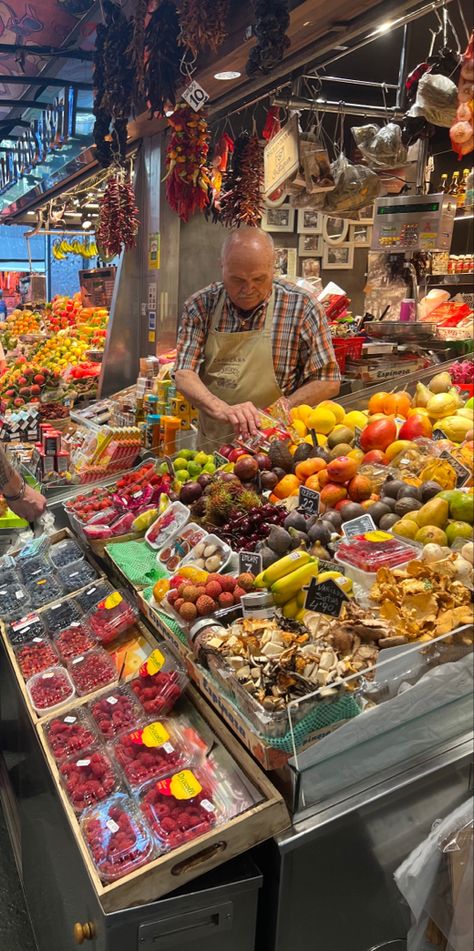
463 20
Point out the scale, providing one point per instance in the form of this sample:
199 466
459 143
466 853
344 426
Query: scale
410 223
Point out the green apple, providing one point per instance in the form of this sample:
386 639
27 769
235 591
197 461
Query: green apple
163 470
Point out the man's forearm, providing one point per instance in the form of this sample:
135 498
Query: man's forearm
313 392
10 480
191 386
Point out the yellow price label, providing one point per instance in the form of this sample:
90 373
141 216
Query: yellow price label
154 662
377 536
113 600
155 734
184 785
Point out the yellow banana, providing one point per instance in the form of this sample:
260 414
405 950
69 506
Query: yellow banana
284 566
290 608
289 586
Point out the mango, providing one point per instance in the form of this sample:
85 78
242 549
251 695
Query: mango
434 512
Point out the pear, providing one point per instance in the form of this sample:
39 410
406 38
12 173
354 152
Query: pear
433 513
422 395
440 383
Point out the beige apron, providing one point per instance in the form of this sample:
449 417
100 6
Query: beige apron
237 367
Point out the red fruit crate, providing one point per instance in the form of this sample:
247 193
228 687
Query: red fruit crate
345 347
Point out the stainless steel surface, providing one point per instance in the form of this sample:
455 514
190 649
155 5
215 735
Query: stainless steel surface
219 909
302 104
329 883
395 330
415 222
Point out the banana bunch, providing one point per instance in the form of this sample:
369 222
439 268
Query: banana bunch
62 248
288 578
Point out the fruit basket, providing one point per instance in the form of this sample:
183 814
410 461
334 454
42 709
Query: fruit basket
112 617
35 656
74 640
25 629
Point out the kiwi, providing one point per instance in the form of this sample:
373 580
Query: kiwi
342 434
341 449
409 492
387 521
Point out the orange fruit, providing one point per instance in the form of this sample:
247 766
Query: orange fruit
313 483
376 402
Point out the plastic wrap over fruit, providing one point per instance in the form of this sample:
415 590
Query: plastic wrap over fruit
98 532
123 524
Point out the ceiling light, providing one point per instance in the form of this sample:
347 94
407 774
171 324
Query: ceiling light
384 27
228 74
86 224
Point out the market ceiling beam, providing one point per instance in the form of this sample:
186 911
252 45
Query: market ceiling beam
35 104
44 81
50 51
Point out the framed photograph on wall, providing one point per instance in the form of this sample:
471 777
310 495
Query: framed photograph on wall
278 219
309 221
335 230
338 257
310 245
361 235
285 262
310 268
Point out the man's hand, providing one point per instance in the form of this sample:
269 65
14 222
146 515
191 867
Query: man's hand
31 506
244 417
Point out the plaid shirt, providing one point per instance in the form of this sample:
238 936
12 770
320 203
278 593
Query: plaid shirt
302 347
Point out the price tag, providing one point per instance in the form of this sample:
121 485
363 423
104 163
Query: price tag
462 472
112 701
359 525
70 719
195 96
220 460
331 566
438 434
325 598
250 561
83 762
308 501
112 826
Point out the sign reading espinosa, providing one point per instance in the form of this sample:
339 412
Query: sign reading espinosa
281 156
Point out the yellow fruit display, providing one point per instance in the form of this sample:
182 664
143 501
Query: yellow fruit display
440 471
321 420
354 419
299 428
400 445
455 427
334 408
301 412
441 405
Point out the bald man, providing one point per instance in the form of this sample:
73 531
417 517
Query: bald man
248 340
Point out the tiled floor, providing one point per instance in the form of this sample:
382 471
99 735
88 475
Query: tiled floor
15 929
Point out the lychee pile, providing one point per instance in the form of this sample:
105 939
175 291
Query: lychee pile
191 601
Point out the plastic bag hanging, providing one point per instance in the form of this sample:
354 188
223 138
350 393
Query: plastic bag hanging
356 187
436 99
381 147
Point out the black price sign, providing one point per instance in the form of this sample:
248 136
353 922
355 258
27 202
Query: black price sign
325 598
359 525
331 566
250 561
438 434
462 472
220 460
308 501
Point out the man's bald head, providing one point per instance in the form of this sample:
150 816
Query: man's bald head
247 260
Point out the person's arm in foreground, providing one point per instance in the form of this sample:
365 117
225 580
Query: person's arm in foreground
22 499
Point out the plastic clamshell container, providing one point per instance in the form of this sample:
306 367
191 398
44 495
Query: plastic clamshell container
9 576
111 617
74 640
25 629
116 710
154 750
71 733
61 615
172 555
49 689
225 551
44 589
95 593
393 556
14 599
92 671
88 778
117 836
65 553
36 548
167 525
34 567
36 655
77 575
160 683
181 807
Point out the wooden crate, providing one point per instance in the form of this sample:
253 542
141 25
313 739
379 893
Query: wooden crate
268 817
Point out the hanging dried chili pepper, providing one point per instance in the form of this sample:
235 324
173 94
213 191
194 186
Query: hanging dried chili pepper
136 49
113 82
203 24
241 199
118 216
220 159
162 57
272 21
187 178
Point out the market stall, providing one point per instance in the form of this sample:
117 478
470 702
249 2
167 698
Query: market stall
236 679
